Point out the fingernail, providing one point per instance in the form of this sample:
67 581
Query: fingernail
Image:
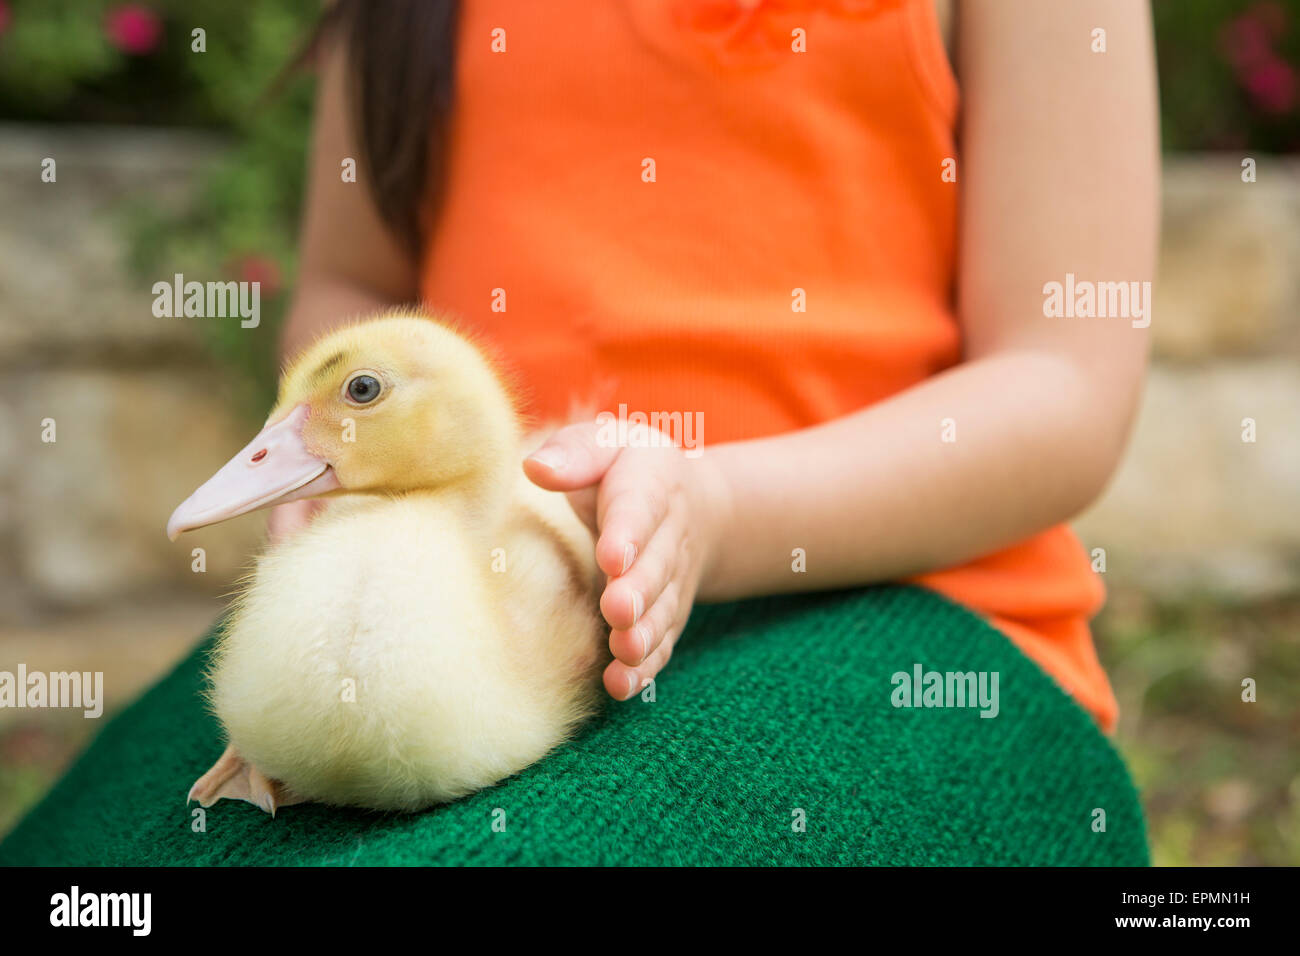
629 555
553 457
638 605
631 685
645 641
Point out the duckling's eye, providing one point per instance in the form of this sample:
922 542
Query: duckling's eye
363 389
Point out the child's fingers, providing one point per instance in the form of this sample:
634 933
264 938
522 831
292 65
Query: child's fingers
636 643
632 514
628 597
622 681
570 459
290 518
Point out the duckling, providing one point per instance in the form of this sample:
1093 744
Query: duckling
435 629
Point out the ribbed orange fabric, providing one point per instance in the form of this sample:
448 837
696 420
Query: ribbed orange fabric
640 192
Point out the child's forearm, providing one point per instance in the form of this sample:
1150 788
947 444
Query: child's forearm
963 464
351 264
321 303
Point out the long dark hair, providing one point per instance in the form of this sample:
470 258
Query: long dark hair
401 57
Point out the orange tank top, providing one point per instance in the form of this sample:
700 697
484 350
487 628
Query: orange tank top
730 209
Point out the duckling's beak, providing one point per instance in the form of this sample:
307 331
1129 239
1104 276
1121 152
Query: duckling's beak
274 467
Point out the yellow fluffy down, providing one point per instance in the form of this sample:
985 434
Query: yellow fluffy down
378 660
435 629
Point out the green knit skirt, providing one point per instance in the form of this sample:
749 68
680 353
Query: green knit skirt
785 731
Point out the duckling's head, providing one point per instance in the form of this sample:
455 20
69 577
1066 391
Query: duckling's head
389 406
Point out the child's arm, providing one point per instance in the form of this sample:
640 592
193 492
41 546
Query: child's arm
351 265
1059 174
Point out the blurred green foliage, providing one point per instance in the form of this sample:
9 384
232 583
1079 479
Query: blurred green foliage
1228 77
95 61
1219 776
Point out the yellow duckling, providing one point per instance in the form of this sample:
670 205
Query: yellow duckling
435 629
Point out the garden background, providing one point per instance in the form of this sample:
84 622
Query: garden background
173 161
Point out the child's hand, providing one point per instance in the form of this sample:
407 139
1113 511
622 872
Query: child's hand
659 517
289 518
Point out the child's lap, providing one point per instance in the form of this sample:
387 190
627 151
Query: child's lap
773 737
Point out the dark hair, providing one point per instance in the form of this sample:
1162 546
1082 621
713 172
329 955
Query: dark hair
401 57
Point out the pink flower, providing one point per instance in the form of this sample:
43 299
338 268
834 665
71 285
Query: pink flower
1245 41
1272 85
133 29
260 269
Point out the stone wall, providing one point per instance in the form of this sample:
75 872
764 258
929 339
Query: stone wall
143 413
1194 509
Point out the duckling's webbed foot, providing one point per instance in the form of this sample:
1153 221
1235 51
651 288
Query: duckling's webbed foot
235 778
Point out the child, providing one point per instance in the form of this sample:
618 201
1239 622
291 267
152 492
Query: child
772 221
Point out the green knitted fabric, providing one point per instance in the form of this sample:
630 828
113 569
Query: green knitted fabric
773 711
